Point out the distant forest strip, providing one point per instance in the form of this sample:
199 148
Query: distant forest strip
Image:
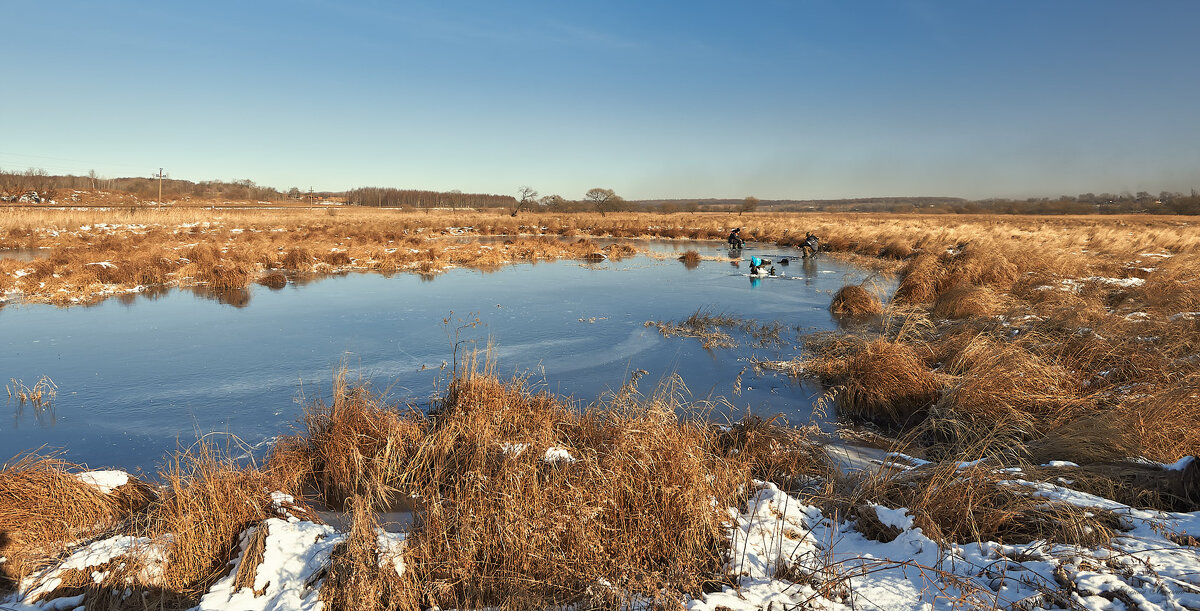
16 183
414 198
1142 202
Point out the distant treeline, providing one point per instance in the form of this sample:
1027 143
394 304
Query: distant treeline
412 198
1165 202
19 182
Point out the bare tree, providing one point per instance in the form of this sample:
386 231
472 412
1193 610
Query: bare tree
750 204
526 197
604 200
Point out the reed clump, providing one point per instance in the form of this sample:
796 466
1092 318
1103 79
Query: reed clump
629 508
274 280
207 501
690 259
45 507
532 501
951 503
896 249
966 301
776 452
853 300
353 446
361 576
881 381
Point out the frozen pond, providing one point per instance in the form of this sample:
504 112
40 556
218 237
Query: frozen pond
141 377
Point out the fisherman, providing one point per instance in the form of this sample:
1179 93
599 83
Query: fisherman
810 245
735 238
757 266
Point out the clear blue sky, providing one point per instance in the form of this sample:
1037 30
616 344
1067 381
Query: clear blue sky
804 99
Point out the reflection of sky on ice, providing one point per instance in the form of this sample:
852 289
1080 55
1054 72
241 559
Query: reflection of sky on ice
136 380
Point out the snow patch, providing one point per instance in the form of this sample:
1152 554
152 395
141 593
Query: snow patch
105 481
558 455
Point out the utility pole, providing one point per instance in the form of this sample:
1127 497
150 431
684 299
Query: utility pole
160 177
310 196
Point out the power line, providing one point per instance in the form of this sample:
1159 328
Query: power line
22 156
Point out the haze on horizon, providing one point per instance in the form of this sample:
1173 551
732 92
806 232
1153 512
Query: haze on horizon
780 100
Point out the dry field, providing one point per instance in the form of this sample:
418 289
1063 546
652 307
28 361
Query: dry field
1016 340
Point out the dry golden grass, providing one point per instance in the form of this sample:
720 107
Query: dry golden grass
1165 424
962 505
854 300
44 508
880 381
690 259
633 508
356 446
966 301
530 501
920 280
358 580
207 502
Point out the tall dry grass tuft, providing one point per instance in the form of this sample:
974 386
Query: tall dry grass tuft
883 382
896 249
1000 390
528 501
979 263
775 451
298 258
920 279
966 301
207 501
531 502
690 259
361 577
1164 425
45 506
355 445
854 300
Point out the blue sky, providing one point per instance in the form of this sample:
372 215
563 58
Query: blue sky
804 99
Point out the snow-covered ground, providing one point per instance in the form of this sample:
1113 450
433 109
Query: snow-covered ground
788 555
785 554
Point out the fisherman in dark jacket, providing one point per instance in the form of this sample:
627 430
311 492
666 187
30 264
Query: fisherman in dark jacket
735 238
810 245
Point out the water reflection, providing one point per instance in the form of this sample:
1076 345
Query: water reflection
43 414
238 298
24 254
809 265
